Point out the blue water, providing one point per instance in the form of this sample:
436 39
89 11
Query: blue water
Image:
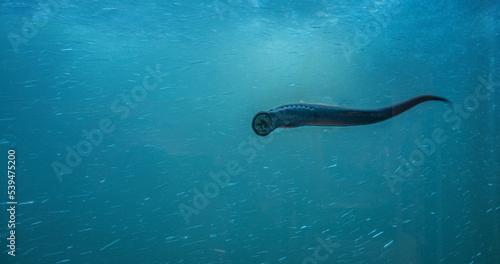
130 124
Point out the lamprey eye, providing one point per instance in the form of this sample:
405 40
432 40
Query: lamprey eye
262 124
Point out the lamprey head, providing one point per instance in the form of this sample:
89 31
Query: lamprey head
262 124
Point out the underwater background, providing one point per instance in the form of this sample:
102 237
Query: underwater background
130 123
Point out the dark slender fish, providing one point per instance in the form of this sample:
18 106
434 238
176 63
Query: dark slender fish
296 115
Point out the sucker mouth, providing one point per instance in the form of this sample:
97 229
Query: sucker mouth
262 124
